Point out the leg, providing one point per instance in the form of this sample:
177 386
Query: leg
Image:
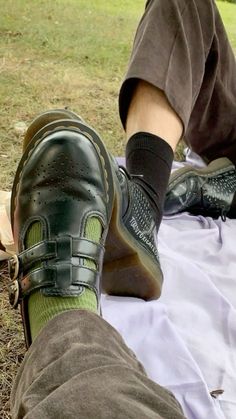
153 131
69 372
195 69
150 111
180 74
77 365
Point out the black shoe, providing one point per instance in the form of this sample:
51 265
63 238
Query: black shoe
64 177
131 264
208 191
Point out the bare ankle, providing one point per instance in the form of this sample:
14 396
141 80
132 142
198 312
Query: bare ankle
150 111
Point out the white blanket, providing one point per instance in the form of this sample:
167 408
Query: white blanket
187 339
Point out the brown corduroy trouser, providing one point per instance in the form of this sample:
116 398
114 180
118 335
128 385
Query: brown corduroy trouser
182 48
79 367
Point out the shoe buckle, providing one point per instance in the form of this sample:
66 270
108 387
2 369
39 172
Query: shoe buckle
14 293
13 288
13 267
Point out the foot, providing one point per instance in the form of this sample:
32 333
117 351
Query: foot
131 264
63 181
208 191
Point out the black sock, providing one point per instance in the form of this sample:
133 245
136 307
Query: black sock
149 159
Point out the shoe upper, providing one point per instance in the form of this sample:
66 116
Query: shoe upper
210 194
138 214
61 182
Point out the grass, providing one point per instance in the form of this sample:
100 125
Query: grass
228 13
56 54
59 54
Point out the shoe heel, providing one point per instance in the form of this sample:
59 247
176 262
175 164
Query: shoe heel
213 168
219 164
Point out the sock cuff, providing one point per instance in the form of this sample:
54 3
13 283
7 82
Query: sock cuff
153 144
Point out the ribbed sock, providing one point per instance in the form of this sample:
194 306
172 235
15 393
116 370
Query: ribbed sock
41 308
149 159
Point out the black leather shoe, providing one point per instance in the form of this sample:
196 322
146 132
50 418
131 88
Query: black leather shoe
64 177
208 191
131 264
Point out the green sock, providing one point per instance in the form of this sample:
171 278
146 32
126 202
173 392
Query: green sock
41 308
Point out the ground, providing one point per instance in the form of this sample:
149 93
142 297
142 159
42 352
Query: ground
56 54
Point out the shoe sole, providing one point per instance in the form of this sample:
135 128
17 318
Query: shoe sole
128 269
216 167
44 119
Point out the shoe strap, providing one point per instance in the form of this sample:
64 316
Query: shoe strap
59 274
